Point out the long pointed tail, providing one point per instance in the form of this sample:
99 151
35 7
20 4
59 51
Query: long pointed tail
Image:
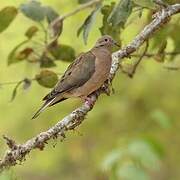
43 107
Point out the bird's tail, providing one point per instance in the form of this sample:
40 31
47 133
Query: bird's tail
43 107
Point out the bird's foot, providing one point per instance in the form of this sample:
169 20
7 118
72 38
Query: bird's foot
89 101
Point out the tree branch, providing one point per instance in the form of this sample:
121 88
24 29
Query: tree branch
17 152
80 8
134 66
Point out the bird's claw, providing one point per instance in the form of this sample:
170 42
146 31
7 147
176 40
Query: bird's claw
89 102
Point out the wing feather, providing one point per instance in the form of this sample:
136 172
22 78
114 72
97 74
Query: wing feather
77 73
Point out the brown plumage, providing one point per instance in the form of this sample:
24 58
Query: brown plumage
85 75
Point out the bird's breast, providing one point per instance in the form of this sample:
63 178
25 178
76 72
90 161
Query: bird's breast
102 69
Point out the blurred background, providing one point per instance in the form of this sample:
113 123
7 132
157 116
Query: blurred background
132 134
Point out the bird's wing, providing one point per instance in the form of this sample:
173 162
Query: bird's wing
77 74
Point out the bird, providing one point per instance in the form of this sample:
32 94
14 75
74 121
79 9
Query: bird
84 75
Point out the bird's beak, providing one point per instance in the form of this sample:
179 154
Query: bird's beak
115 43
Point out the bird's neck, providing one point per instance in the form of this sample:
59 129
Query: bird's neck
102 48
101 52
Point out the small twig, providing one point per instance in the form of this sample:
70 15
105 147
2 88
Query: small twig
131 74
10 83
80 8
15 82
161 3
11 143
149 55
139 8
134 66
45 34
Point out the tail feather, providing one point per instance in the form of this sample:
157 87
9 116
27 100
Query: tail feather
44 106
57 101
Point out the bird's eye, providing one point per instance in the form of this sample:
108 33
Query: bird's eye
106 40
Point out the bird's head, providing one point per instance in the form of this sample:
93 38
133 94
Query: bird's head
106 41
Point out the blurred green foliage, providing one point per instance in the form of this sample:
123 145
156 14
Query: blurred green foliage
133 134
7 15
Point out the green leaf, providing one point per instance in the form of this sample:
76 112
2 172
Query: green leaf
142 151
24 53
31 32
159 36
144 3
120 13
174 34
46 62
47 78
86 26
14 93
162 119
26 84
155 145
12 57
168 31
33 10
51 14
83 1
112 159
131 172
113 31
7 15
63 52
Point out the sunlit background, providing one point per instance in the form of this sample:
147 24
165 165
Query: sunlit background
132 134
